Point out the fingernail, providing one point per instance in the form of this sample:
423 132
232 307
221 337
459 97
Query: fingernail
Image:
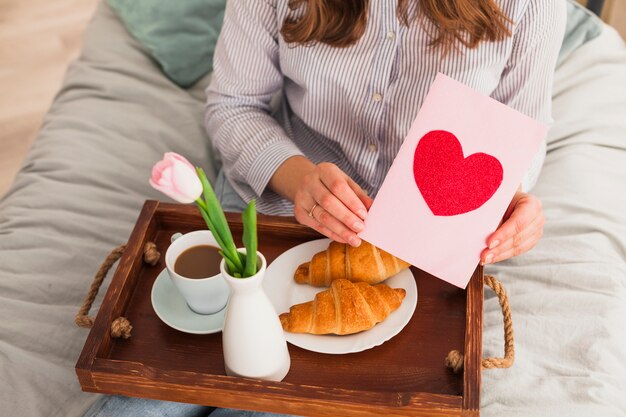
358 227
489 258
362 213
354 241
493 244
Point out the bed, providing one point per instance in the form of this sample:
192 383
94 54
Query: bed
80 189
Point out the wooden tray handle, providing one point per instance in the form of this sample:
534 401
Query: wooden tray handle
454 360
120 327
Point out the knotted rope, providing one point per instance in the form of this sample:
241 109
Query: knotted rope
120 327
454 360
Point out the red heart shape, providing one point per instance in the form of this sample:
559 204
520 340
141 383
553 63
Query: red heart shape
449 183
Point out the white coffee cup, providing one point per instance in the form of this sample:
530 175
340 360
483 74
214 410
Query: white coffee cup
203 295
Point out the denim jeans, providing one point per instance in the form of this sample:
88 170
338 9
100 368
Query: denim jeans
229 199
120 406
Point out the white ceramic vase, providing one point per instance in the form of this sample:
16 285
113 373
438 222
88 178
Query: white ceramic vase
253 340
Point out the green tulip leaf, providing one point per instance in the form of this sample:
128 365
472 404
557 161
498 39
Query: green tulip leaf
218 224
250 239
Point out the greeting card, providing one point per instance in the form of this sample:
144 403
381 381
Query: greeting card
452 180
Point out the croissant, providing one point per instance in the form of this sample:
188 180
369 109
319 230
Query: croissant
365 263
344 308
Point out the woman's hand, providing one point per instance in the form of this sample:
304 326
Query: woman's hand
520 230
330 202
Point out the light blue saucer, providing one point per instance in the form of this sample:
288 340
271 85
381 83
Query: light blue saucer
172 309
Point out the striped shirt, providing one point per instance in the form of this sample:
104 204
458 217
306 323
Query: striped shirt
354 106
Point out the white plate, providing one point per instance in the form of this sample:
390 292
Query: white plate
284 292
173 310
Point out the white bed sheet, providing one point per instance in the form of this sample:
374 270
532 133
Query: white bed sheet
568 295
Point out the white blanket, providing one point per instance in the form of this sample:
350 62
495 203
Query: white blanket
568 295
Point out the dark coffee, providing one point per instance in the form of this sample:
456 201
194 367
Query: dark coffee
202 261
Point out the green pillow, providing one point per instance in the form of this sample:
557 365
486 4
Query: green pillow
179 34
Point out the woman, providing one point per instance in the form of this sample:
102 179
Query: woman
353 75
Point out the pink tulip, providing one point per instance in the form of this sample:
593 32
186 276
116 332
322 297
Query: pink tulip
175 177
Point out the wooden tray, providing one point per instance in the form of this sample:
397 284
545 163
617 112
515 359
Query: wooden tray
405 376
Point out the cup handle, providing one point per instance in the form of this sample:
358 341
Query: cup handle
175 236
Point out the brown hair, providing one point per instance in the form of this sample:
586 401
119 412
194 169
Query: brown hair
341 23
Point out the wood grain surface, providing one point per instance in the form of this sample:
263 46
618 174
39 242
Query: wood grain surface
405 376
38 40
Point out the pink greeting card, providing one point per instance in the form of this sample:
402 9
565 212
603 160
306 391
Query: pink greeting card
452 180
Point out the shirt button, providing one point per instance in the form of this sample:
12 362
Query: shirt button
372 147
377 97
391 35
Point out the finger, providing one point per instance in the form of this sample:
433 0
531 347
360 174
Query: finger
337 227
523 214
336 181
490 255
368 201
327 232
517 239
523 247
529 229
302 216
361 193
331 204
327 225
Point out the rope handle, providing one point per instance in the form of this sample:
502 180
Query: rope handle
120 327
454 360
